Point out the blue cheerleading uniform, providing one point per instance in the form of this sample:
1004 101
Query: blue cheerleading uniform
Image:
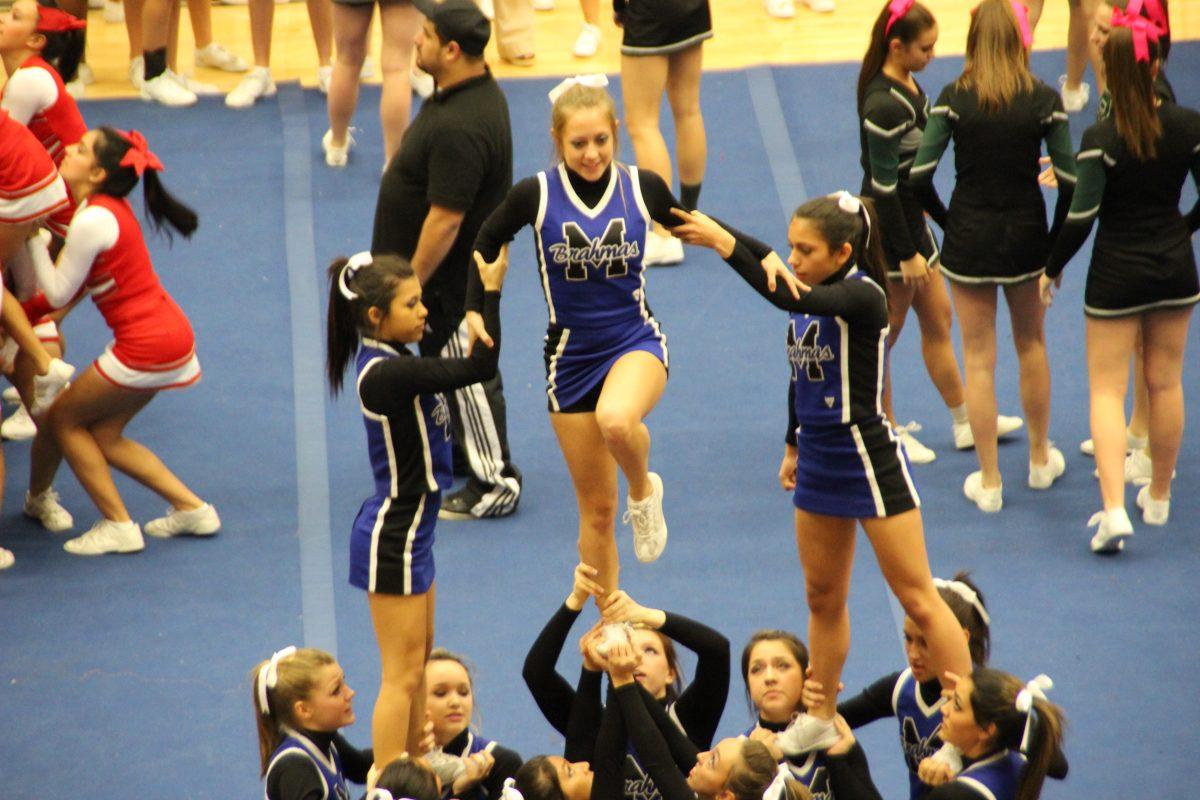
807 768
849 461
408 440
590 237
506 763
313 765
916 707
995 777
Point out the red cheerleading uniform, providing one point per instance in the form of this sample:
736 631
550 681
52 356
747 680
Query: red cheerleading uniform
30 186
105 254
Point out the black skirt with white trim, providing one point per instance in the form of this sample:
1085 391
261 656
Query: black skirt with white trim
1123 281
662 27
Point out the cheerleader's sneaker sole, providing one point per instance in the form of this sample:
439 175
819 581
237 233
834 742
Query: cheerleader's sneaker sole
806 734
202 521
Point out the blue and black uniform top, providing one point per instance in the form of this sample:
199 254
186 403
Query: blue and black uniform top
308 765
507 762
807 768
917 707
405 414
892 118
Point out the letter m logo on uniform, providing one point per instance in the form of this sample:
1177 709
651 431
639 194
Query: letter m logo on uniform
807 353
608 251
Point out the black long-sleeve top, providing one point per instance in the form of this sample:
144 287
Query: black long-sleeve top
1137 202
408 442
698 708
655 755
295 777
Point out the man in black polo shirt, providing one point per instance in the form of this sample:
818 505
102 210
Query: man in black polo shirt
453 168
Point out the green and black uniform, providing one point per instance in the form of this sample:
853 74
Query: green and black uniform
1142 258
996 229
892 118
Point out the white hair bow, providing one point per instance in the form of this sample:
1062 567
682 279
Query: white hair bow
777 788
852 205
268 676
1036 688
353 265
966 593
510 791
597 80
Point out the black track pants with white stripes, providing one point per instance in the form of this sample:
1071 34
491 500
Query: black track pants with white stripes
479 425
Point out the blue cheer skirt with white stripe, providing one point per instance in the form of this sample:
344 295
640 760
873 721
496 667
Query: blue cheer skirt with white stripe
857 471
578 359
391 544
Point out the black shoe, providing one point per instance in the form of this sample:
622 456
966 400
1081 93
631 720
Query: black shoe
459 504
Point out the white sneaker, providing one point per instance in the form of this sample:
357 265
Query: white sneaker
588 42
107 536
368 69
917 453
1043 476
1073 99
822 6
11 395
19 426
166 91
1139 469
1088 446
422 83
782 9
649 526
1112 529
336 156
324 77
989 500
7 559
805 734
662 251
256 83
543 5
613 634
114 13
137 72
46 509
446 766
951 756
202 521
964 439
1154 512
198 88
218 56
47 388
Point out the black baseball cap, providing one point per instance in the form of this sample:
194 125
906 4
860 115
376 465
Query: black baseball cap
458 21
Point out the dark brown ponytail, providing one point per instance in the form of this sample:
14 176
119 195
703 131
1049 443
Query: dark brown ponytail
907 28
352 292
162 208
1134 104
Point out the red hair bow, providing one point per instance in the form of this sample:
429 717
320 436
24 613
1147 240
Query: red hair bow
55 20
898 9
139 156
1143 31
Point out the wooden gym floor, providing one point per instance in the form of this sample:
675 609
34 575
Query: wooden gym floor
745 36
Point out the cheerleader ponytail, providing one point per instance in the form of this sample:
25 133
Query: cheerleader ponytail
357 284
126 159
1024 721
843 218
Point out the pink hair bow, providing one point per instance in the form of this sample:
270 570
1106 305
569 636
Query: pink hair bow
898 9
1143 31
139 156
1022 15
1154 11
